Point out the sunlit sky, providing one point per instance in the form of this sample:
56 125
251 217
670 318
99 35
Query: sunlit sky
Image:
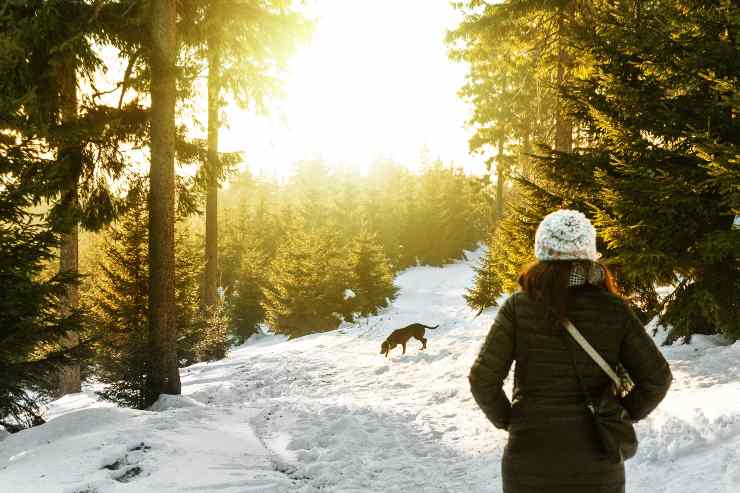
373 82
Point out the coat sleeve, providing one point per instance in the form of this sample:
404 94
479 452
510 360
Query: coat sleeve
647 367
492 366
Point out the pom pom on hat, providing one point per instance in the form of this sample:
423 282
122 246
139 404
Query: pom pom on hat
565 235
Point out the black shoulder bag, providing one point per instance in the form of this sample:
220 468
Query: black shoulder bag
614 429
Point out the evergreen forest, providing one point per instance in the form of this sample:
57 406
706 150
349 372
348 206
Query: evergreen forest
132 245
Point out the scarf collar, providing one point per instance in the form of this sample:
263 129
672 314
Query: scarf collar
586 273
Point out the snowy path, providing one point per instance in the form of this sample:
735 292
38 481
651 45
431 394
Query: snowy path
328 413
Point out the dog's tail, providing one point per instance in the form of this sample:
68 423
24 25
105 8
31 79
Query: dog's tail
427 327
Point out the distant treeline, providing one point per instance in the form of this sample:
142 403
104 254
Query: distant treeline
324 247
298 257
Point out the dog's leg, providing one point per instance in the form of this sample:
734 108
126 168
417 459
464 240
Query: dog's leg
404 348
423 342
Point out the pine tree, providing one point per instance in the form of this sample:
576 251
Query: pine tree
120 308
435 235
385 207
444 218
245 303
371 276
246 46
521 55
70 153
306 286
214 48
658 173
510 247
49 51
346 206
467 215
202 330
251 237
311 194
164 374
120 303
32 322
486 283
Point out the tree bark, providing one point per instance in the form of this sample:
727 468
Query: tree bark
500 164
163 373
563 124
69 375
212 165
500 182
525 159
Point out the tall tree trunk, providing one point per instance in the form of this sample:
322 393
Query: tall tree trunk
69 375
163 373
524 157
213 166
500 161
563 124
500 182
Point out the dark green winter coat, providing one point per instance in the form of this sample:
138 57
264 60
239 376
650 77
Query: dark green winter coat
552 447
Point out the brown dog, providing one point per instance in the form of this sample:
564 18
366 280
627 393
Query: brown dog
402 336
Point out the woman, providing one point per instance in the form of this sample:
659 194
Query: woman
552 444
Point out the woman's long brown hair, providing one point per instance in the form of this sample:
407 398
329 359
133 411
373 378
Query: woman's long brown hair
547 282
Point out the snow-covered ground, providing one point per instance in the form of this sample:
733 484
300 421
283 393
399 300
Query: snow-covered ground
328 412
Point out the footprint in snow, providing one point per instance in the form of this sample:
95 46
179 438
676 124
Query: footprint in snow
123 473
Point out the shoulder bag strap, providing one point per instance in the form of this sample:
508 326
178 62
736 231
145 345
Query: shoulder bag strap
595 356
586 395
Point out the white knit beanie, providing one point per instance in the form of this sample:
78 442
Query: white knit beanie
565 235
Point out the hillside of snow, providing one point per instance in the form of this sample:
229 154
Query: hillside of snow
327 412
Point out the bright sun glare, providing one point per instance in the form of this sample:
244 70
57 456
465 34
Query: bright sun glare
373 82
